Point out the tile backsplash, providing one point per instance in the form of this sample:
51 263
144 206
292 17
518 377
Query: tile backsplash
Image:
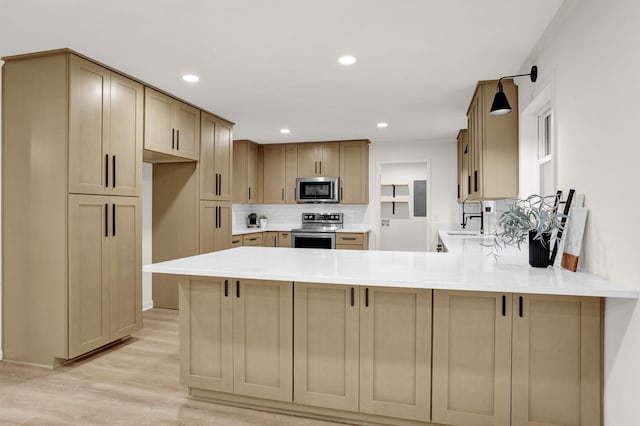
290 214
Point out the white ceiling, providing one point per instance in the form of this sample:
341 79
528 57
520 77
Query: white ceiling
272 64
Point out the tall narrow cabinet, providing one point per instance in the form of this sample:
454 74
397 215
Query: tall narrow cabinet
71 177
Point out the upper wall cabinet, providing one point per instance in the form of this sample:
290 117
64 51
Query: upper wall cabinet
215 158
246 172
105 131
493 144
464 179
318 159
354 172
172 129
280 170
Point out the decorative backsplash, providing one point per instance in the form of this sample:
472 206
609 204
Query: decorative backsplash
290 214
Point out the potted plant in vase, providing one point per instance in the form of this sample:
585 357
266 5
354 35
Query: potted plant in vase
252 219
534 219
263 221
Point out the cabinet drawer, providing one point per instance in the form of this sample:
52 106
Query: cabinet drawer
349 247
284 239
348 238
236 241
252 239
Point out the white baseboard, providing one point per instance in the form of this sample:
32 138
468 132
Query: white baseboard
145 306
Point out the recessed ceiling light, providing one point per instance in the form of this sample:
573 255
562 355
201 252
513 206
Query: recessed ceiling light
347 60
190 78
285 131
382 125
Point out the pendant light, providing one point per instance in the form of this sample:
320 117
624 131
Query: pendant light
500 105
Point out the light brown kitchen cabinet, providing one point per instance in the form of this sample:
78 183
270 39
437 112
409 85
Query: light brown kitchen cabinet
395 352
464 180
105 131
318 159
236 241
284 239
354 172
215 225
471 358
69 284
510 359
253 239
493 144
239 336
352 240
105 270
326 345
215 158
270 239
274 174
172 128
246 180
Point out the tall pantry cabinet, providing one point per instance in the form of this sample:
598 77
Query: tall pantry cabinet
72 158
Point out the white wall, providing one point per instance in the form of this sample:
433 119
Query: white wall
589 57
442 156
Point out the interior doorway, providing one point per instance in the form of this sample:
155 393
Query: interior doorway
404 206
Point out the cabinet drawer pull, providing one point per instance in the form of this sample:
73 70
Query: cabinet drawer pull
237 288
178 140
349 238
520 306
114 171
366 297
113 219
173 138
106 170
106 220
226 288
353 296
504 306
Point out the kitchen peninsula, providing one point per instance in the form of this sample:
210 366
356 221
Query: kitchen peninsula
392 337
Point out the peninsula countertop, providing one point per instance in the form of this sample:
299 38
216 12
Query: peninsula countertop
447 271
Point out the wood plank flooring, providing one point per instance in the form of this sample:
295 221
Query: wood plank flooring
135 382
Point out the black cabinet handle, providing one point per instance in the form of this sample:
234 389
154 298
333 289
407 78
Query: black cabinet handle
366 297
520 306
237 288
178 140
475 181
341 194
393 207
113 219
394 191
106 170
220 184
469 184
504 306
249 192
226 288
106 220
349 238
353 301
316 170
458 190
173 138
282 194
114 170
320 167
216 184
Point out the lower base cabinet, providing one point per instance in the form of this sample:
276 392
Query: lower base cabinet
521 360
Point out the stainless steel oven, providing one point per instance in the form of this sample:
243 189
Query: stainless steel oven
318 231
318 190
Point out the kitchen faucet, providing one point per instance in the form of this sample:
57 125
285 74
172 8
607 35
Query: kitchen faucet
467 216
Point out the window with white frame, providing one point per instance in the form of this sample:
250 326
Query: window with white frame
546 178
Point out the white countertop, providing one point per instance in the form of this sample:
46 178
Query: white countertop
392 269
287 228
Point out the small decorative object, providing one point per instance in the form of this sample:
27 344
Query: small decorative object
534 219
574 234
263 221
252 219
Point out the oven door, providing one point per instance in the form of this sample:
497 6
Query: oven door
316 240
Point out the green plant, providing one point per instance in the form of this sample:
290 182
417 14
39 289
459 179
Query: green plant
262 217
252 216
535 213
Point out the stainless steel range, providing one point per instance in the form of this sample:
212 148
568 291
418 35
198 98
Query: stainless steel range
318 231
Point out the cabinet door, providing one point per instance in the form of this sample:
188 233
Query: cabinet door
556 361
395 352
329 156
463 165
262 339
284 239
471 358
208 175
89 323
252 173
206 352
125 136
270 239
223 159
125 266
240 183
89 89
308 159
354 172
215 226
326 346
290 173
159 127
274 174
187 130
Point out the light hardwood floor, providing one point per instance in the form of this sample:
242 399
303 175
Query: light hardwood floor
135 382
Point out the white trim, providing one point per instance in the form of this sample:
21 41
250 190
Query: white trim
147 305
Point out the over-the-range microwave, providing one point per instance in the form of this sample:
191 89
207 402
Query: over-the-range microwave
318 190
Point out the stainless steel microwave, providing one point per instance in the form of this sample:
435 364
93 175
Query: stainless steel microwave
318 190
